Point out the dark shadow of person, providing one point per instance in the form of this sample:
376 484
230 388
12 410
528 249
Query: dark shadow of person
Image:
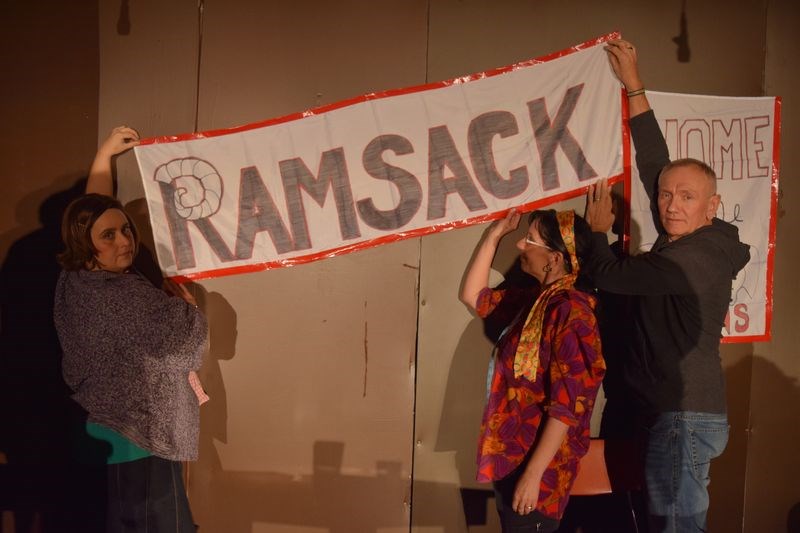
205 473
793 520
41 481
145 262
614 317
465 397
610 512
762 447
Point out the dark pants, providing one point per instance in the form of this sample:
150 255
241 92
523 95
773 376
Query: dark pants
148 495
510 521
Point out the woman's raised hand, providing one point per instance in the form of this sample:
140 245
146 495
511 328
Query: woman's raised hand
477 276
120 139
101 179
504 226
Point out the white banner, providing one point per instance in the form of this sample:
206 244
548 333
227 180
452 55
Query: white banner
739 139
383 167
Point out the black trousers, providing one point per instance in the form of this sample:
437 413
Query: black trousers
510 521
148 495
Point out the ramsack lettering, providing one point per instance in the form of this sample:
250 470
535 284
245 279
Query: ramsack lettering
407 184
481 132
332 175
451 177
551 135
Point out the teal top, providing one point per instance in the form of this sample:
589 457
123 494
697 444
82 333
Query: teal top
122 450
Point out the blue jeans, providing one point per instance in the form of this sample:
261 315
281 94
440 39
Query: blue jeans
678 453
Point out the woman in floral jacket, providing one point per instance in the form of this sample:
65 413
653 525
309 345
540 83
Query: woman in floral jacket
546 372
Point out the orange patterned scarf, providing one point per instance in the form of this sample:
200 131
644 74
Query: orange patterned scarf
526 360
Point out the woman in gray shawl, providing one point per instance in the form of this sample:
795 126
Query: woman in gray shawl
129 349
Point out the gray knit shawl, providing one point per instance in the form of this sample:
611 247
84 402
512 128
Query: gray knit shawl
128 349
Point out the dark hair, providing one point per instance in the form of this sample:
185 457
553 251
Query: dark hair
548 227
76 230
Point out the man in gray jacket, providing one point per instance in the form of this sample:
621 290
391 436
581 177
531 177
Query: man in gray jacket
680 294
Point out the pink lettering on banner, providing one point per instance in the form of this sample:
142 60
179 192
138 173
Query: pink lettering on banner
734 148
758 158
739 137
741 319
727 149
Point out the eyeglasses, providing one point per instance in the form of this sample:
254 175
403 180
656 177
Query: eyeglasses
528 240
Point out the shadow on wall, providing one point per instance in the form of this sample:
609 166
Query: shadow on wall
462 409
242 501
793 520
52 474
728 471
780 399
213 414
39 481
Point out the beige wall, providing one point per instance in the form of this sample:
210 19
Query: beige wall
321 399
48 105
311 369
772 491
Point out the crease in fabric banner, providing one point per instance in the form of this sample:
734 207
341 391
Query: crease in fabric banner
383 167
739 137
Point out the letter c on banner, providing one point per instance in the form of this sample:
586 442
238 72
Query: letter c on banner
196 184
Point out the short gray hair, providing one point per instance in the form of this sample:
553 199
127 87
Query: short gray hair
696 163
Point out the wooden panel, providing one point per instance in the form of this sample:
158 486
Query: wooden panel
48 104
470 36
311 368
148 62
318 429
773 470
48 101
311 414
